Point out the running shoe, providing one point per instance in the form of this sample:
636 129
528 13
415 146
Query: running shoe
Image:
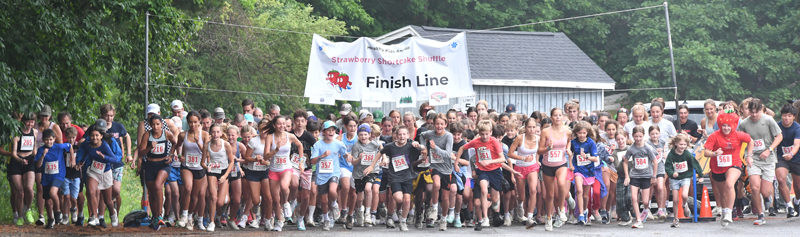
548 224
760 220
675 223
403 226
457 223
442 225
638 225
389 223
301 224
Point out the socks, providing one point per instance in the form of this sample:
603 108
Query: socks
403 220
394 216
451 211
311 210
796 202
530 215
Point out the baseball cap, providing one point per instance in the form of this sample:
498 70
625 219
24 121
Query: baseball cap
310 114
219 113
363 114
46 111
430 112
345 109
364 128
101 125
329 124
249 118
176 104
377 115
511 108
153 109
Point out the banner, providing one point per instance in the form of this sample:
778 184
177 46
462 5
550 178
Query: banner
416 69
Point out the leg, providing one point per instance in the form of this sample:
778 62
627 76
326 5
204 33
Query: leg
549 196
635 201
755 191
213 192
579 189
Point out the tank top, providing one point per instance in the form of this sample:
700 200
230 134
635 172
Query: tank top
193 153
39 141
258 149
160 149
556 156
26 141
710 130
280 161
236 155
217 160
524 152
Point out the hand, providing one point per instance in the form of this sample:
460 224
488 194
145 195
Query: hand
129 159
749 160
325 154
432 144
415 144
517 173
24 162
718 152
627 181
675 174
529 158
611 158
457 168
349 158
133 165
700 179
48 149
368 170
222 179
484 163
572 168
787 157
98 153
153 144
764 154
701 131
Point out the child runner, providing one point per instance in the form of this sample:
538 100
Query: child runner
623 192
402 155
639 170
365 157
281 171
156 168
724 146
96 155
51 157
524 150
488 163
679 165
583 160
327 153
191 144
235 176
217 164
72 180
659 144
440 146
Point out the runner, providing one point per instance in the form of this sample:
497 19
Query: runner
218 165
659 145
51 157
281 171
639 169
327 153
766 137
156 168
255 171
364 172
789 161
21 169
349 138
97 154
402 155
524 150
610 175
43 124
724 146
639 116
72 181
303 176
235 176
679 165
553 146
191 144
440 147
584 157
117 131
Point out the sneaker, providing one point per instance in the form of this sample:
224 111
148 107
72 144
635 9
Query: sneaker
442 225
79 222
310 221
64 220
301 224
418 223
389 223
430 213
548 224
760 220
790 212
478 227
772 211
50 224
234 224
40 221
359 219
485 222
470 223
93 222
430 223
211 227
254 224
74 214
562 215
457 223
662 214
278 226
403 226
335 211
103 223
268 225
326 225
287 209
223 222
496 207
450 219
638 225
114 220
530 223
796 208
19 221
604 217
190 225
675 223
348 224
199 224
624 222
581 220
557 223
645 215
29 217
726 218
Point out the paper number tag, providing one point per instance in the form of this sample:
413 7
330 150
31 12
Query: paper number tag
192 160
368 158
758 145
51 167
215 168
681 167
787 149
326 166
158 149
640 163
484 154
724 160
555 156
296 161
27 143
583 160
281 162
98 167
399 163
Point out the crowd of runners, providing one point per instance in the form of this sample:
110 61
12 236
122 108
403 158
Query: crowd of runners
477 168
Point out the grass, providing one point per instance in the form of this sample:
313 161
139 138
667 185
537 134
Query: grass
131 196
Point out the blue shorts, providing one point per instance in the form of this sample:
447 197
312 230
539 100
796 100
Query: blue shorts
255 176
71 187
175 175
494 177
117 173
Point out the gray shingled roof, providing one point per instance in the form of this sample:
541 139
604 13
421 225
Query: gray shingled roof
523 55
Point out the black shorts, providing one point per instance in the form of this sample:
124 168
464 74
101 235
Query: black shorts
218 175
642 183
255 176
17 168
507 187
152 168
794 168
551 171
323 189
385 181
196 174
362 183
494 177
661 176
444 179
56 183
723 176
404 187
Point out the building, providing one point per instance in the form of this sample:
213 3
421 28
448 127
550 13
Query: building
536 71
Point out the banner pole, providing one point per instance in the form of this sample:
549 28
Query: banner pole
672 63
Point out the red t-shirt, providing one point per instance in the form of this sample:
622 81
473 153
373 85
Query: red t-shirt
731 150
78 138
489 150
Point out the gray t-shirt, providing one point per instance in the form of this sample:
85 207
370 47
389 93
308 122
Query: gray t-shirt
440 155
661 156
370 151
641 160
667 129
763 133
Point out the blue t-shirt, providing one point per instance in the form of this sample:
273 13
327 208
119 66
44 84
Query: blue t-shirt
88 154
585 167
349 144
117 131
54 164
329 166
789 135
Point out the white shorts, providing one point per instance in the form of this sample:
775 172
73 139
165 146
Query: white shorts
345 173
767 172
104 181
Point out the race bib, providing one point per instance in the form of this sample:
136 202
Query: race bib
158 149
368 158
758 145
660 156
280 162
787 150
193 160
399 163
640 163
610 149
215 168
484 154
436 158
51 167
583 160
555 156
27 143
325 166
724 160
98 167
681 167
296 161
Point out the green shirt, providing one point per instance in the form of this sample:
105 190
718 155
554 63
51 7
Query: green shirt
683 164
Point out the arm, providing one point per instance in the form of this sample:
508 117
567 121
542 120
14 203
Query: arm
297 143
71 157
14 143
108 154
205 155
57 131
513 148
229 150
668 166
544 142
625 170
40 157
127 141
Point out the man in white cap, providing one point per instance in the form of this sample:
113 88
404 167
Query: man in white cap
219 115
179 111
344 110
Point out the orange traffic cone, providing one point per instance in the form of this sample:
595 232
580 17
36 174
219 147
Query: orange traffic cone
678 207
705 207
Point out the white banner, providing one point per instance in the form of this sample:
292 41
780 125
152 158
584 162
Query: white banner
417 68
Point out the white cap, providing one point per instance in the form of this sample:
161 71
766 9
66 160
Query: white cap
176 104
309 113
153 109
345 109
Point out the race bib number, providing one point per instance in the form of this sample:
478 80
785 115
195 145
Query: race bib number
98 167
280 162
610 149
51 167
758 145
484 154
193 160
367 158
555 156
296 161
158 149
681 167
215 168
583 160
399 163
27 143
787 150
640 163
660 156
436 158
724 160
325 166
